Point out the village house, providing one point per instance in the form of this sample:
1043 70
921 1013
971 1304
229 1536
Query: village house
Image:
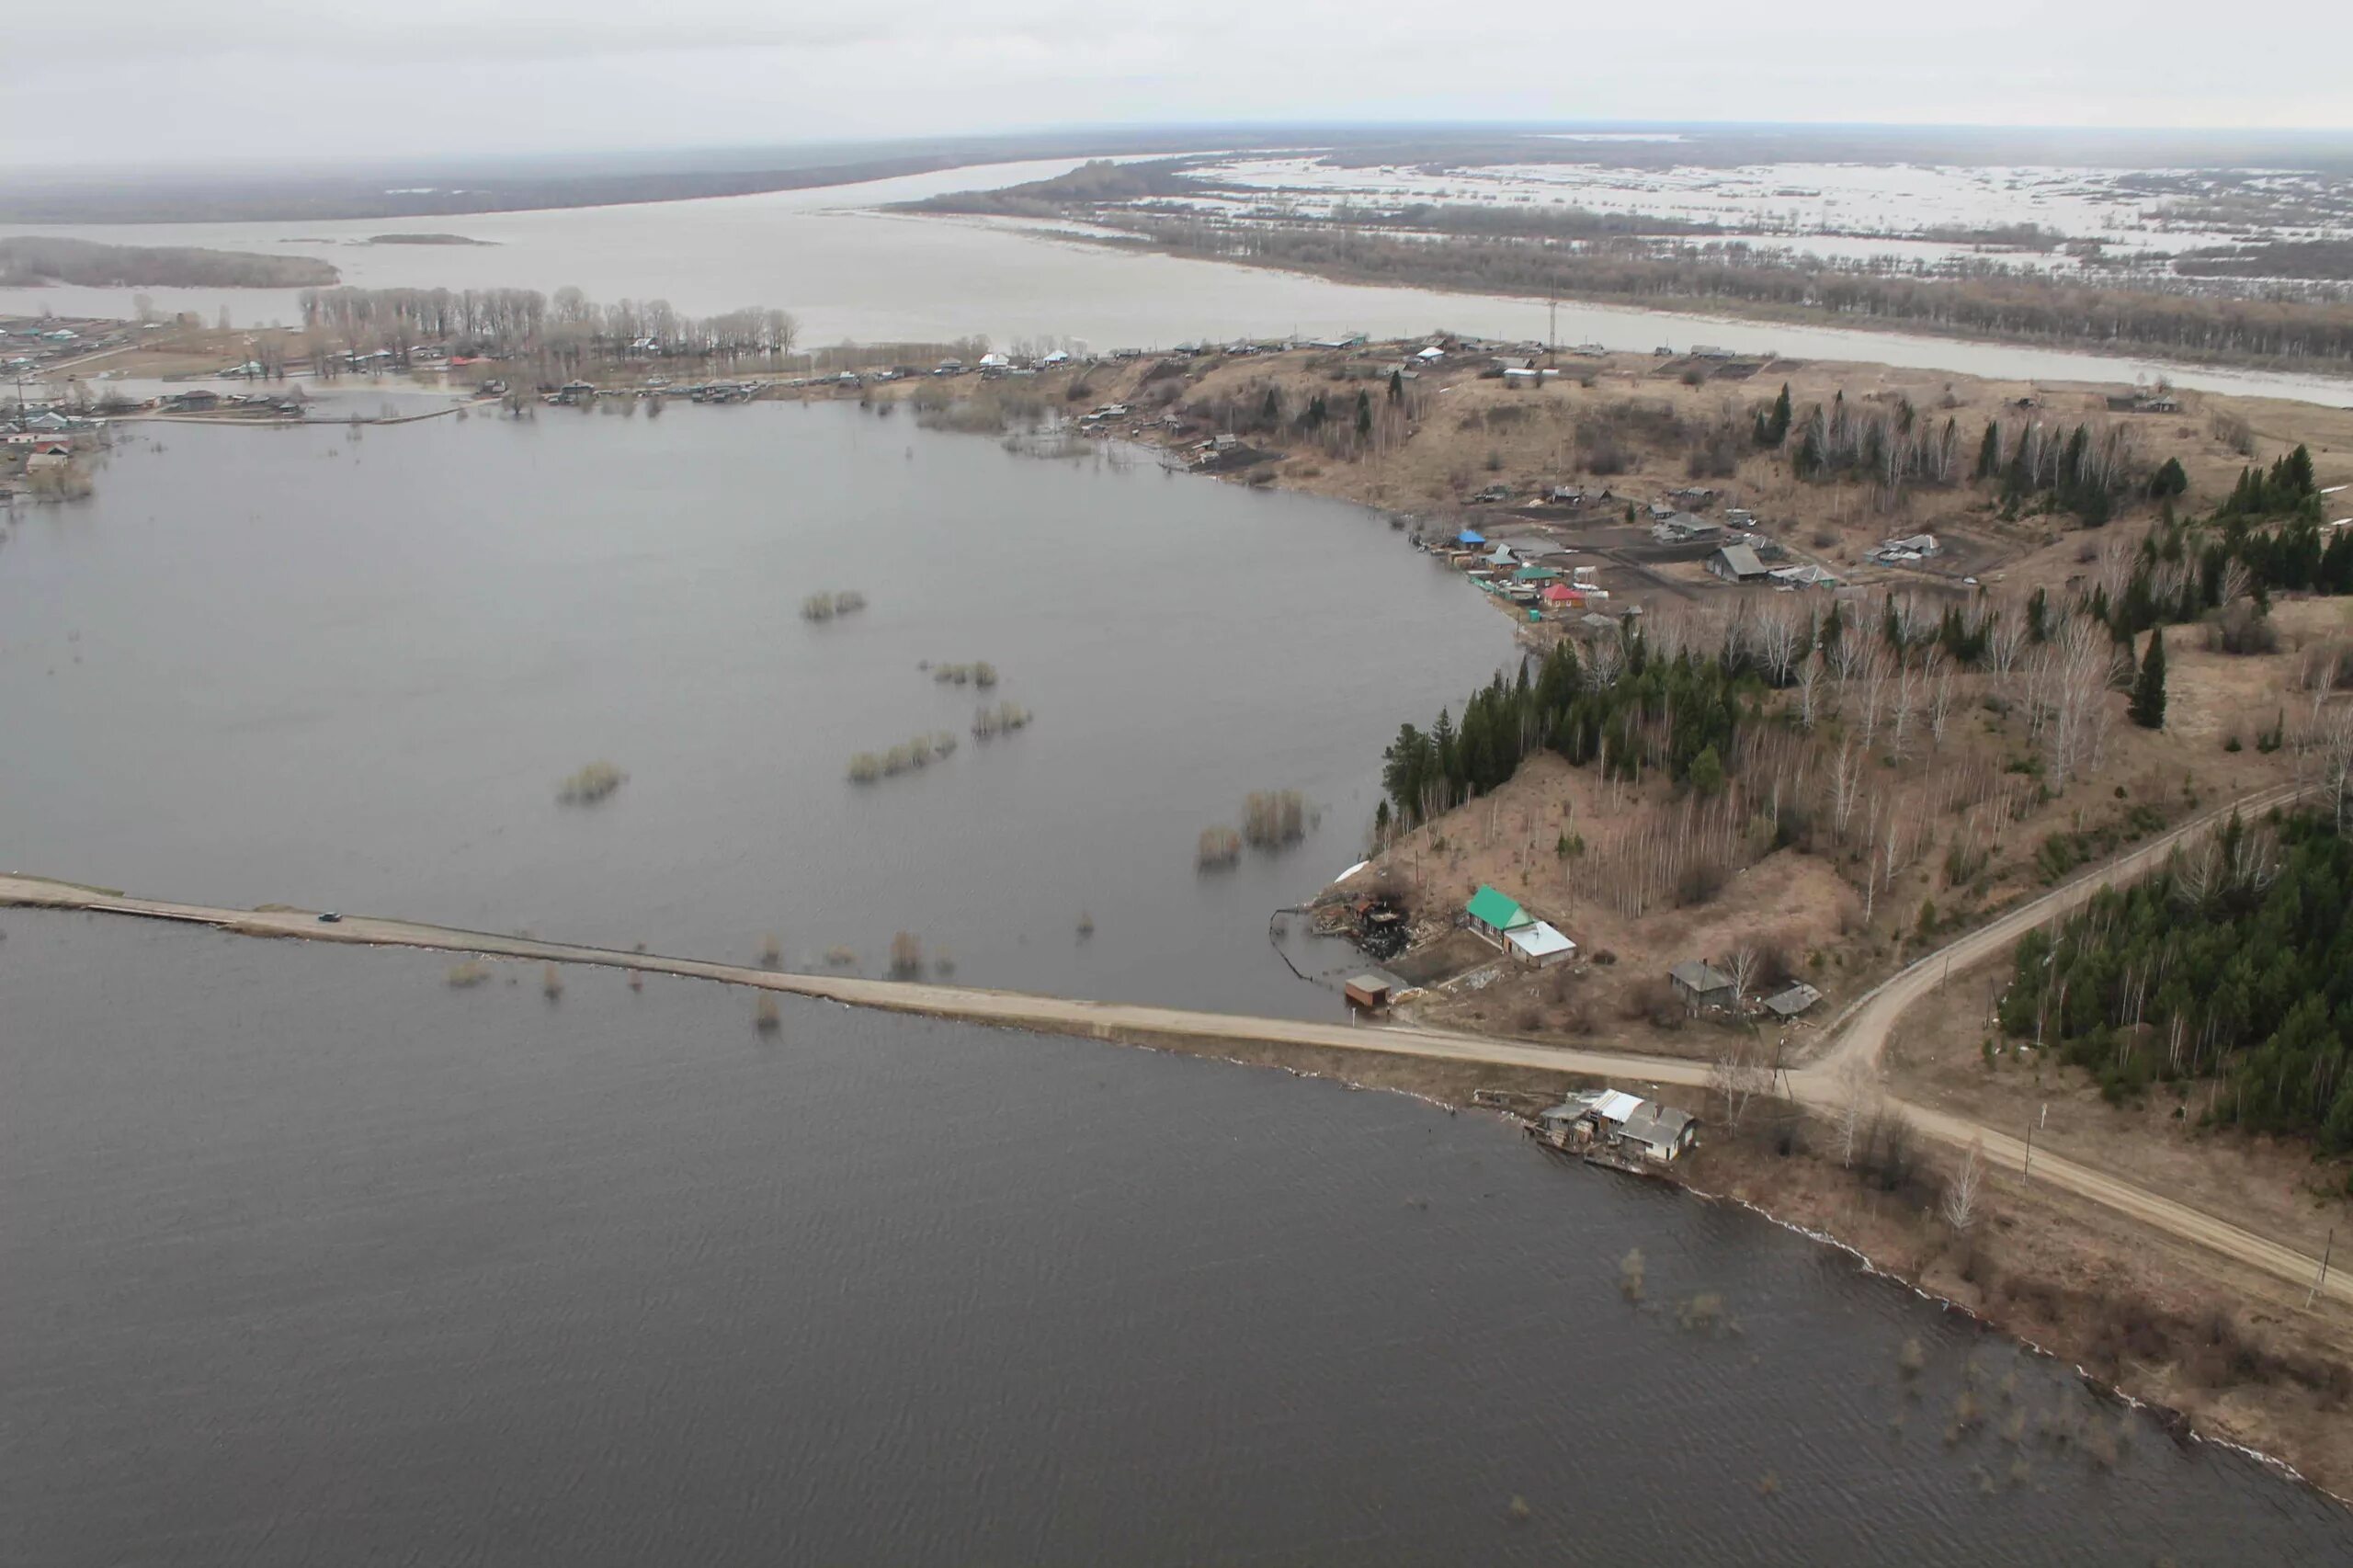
1613 1125
1806 577
1682 527
1493 916
1519 935
1736 564
1893 551
1702 985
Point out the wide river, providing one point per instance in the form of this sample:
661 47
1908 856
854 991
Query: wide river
308 1259
351 670
850 272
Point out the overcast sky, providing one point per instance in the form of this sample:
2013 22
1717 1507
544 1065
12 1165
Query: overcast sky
169 80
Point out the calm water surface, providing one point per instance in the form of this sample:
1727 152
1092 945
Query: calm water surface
850 272
307 1258
349 672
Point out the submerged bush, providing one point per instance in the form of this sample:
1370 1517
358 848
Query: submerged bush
824 605
1272 818
1219 846
591 784
997 720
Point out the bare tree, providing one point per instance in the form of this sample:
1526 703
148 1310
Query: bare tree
1860 1106
1907 702
1738 1075
2004 642
1741 964
1809 688
2336 763
1870 669
1961 1193
1605 657
1940 701
1776 632
1846 786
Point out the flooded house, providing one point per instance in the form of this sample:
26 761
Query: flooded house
1613 1126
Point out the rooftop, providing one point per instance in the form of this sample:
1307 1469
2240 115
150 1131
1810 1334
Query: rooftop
1493 909
1701 976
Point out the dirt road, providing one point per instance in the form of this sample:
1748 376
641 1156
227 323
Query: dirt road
1017 1009
1859 1036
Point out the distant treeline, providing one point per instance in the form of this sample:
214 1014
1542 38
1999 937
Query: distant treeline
2320 260
568 327
2010 307
38 259
1098 180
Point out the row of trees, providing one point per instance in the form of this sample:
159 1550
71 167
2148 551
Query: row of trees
1890 443
569 327
2234 963
2021 307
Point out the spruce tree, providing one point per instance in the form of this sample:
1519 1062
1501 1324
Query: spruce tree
1707 772
2149 691
1989 452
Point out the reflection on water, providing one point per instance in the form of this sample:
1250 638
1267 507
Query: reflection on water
312 1260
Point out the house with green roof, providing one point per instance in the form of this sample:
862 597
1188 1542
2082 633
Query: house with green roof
1495 916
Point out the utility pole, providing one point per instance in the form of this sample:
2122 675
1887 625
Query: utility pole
1552 332
2322 1280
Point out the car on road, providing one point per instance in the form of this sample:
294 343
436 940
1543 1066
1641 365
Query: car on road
329 917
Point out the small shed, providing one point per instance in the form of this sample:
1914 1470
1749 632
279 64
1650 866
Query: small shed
1790 1003
1701 984
1369 992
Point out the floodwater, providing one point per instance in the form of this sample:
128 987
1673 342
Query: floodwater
310 1259
349 669
851 273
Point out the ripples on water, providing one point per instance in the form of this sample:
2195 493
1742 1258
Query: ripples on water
302 667
312 1260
